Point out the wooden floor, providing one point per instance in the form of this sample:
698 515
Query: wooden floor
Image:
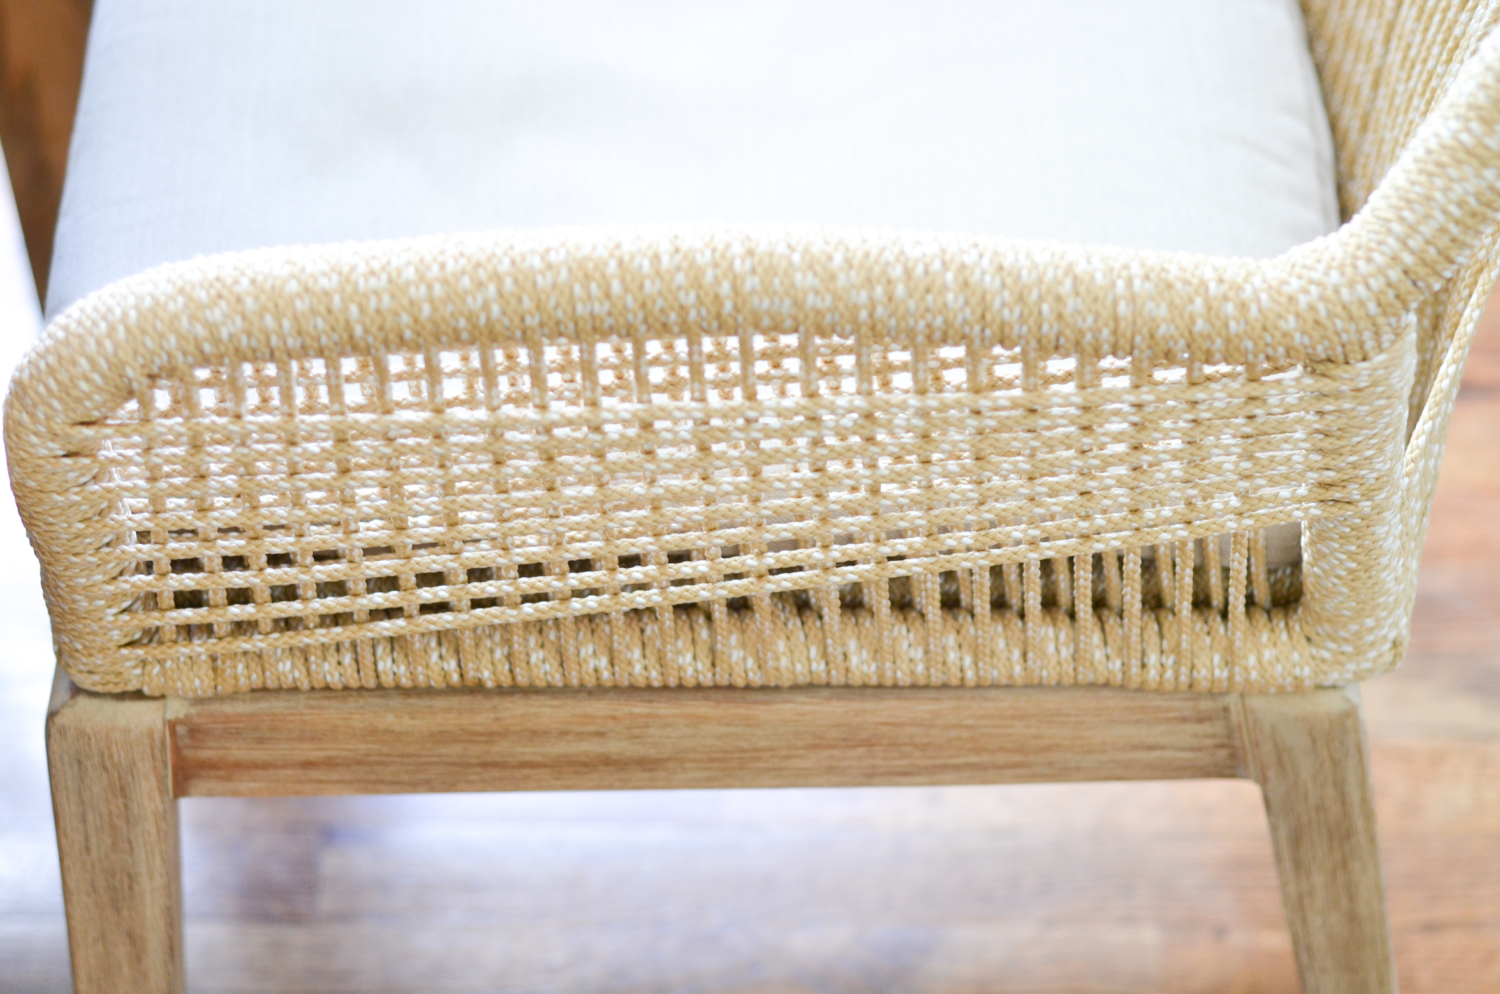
1091 888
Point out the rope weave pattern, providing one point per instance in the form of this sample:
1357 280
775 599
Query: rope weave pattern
762 456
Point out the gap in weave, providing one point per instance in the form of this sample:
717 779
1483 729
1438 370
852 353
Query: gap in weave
455 481
1056 593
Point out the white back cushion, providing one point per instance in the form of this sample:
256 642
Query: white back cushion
205 127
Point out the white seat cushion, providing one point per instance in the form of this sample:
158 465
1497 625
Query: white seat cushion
206 127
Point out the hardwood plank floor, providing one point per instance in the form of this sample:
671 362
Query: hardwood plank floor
1060 888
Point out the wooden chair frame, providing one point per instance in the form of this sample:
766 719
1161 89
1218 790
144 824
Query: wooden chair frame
120 762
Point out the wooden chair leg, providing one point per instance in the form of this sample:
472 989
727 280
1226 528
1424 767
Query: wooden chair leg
1309 754
117 840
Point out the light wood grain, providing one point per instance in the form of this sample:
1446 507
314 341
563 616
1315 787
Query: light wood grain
41 66
117 841
1309 754
343 742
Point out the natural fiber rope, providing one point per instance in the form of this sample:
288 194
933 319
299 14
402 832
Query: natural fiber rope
774 456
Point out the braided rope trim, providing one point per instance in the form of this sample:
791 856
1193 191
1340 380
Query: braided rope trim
1260 649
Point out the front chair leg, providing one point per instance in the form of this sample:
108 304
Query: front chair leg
1309 754
117 841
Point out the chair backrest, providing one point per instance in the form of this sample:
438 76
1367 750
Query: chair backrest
1383 66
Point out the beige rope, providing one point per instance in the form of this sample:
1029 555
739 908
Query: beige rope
769 457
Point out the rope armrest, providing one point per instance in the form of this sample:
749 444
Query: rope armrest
746 456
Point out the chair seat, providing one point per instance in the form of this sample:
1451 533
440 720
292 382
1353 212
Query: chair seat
1168 124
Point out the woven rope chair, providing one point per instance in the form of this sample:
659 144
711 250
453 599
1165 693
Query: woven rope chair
803 459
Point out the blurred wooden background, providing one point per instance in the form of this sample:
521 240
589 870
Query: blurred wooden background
41 63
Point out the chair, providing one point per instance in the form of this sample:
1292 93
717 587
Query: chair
763 506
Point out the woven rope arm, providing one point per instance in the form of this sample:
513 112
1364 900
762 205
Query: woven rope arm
304 447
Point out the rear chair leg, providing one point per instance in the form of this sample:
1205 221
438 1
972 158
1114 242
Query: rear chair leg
1309 754
117 840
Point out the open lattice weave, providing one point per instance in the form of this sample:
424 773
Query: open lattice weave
757 457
